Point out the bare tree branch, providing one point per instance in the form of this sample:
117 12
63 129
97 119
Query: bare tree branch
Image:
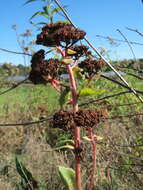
136 76
114 39
121 84
123 67
135 30
26 123
127 43
103 98
122 116
51 117
134 103
20 53
96 51
15 52
13 87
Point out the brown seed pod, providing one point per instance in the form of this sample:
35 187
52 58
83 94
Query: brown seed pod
91 66
63 120
43 71
88 118
80 51
83 118
57 33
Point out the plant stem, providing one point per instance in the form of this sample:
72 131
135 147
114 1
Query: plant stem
77 139
93 144
95 50
73 89
77 159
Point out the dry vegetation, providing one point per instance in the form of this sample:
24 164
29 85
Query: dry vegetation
119 162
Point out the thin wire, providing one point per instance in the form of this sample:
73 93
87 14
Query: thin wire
13 87
114 39
134 75
9 51
51 117
20 53
134 103
129 44
117 73
121 84
135 30
122 116
103 98
26 123
121 67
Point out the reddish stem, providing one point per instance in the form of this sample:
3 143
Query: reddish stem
77 159
61 51
93 144
76 129
73 89
55 86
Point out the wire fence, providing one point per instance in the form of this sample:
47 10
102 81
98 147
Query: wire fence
122 84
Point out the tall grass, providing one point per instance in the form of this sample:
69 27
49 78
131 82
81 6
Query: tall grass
119 160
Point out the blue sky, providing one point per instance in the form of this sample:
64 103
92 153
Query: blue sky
101 17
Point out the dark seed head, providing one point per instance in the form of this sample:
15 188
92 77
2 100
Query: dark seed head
58 33
91 66
43 71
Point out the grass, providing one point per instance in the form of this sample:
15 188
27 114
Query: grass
119 165
27 99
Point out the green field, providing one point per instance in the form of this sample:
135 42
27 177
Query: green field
119 165
26 99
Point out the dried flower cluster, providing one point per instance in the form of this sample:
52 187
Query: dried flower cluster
80 50
43 71
89 118
63 120
91 66
83 118
57 33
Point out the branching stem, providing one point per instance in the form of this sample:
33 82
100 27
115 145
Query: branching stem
77 139
73 88
93 145
96 51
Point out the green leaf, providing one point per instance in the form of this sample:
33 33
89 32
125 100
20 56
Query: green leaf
90 91
29 1
67 60
71 52
65 142
98 138
39 23
64 21
64 147
56 10
86 138
47 9
39 13
68 177
77 73
25 174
